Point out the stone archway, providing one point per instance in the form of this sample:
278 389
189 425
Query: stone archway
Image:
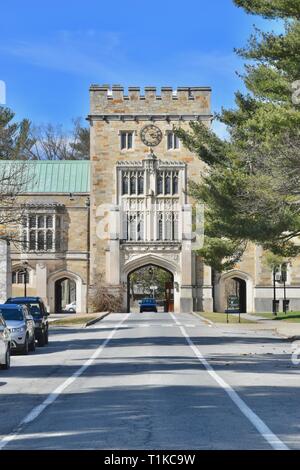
65 293
150 281
238 283
53 282
151 259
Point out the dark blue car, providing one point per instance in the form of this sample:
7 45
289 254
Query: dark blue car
148 305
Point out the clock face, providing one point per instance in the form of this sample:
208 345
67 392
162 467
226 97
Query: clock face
151 135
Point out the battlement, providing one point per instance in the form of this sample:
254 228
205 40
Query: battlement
116 92
106 99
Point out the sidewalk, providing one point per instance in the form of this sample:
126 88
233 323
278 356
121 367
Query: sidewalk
286 329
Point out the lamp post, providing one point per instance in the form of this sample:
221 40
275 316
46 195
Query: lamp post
151 272
284 279
25 266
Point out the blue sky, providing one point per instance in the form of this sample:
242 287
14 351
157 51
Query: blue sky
51 51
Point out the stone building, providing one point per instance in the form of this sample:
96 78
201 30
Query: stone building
53 237
126 209
141 193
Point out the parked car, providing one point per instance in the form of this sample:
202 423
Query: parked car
71 308
5 340
21 327
148 305
39 313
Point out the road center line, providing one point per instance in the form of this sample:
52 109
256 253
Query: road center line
261 427
37 410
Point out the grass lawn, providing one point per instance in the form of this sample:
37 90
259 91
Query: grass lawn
292 317
73 321
222 318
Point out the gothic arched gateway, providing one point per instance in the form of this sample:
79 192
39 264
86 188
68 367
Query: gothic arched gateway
150 281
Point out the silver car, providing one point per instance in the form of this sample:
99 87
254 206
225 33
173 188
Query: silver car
4 345
21 326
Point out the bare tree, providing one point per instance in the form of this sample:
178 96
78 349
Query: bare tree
106 298
52 142
13 181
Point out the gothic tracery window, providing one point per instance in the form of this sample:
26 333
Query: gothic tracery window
150 199
42 232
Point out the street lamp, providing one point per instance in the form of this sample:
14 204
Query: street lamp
150 271
25 266
275 271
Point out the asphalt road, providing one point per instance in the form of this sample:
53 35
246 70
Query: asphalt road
155 381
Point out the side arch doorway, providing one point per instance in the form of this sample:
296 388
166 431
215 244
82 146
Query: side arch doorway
65 293
150 281
238 288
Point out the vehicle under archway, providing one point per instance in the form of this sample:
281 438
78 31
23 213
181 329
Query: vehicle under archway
65 294
150 281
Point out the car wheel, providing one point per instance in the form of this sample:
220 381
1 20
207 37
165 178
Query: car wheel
41 340
32 345
46 337
6 365
25 348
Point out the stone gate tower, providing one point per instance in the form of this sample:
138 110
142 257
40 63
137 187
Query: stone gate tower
140 211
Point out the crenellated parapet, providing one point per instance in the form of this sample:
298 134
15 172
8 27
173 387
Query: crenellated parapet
106 100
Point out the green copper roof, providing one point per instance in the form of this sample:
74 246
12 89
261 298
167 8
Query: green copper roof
71 176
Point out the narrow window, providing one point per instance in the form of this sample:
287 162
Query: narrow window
123 141
49 240
160 183
133 184
41 221
129 140
49 221
168 184
41 241
126 140
175 184
32 221
160 228
125 184
32 246
175 227
173 141
141 184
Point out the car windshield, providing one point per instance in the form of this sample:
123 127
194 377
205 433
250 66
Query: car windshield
149 301
11 314
34 308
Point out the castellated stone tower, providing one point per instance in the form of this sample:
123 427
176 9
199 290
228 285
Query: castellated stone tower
140 212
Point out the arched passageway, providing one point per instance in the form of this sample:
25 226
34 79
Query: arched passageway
237 288
65 293
150 281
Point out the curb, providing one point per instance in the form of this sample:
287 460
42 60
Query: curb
96 320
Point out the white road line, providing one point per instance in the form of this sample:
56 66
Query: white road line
37 410
261 427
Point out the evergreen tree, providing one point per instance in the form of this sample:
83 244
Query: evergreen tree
15 138
251 191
